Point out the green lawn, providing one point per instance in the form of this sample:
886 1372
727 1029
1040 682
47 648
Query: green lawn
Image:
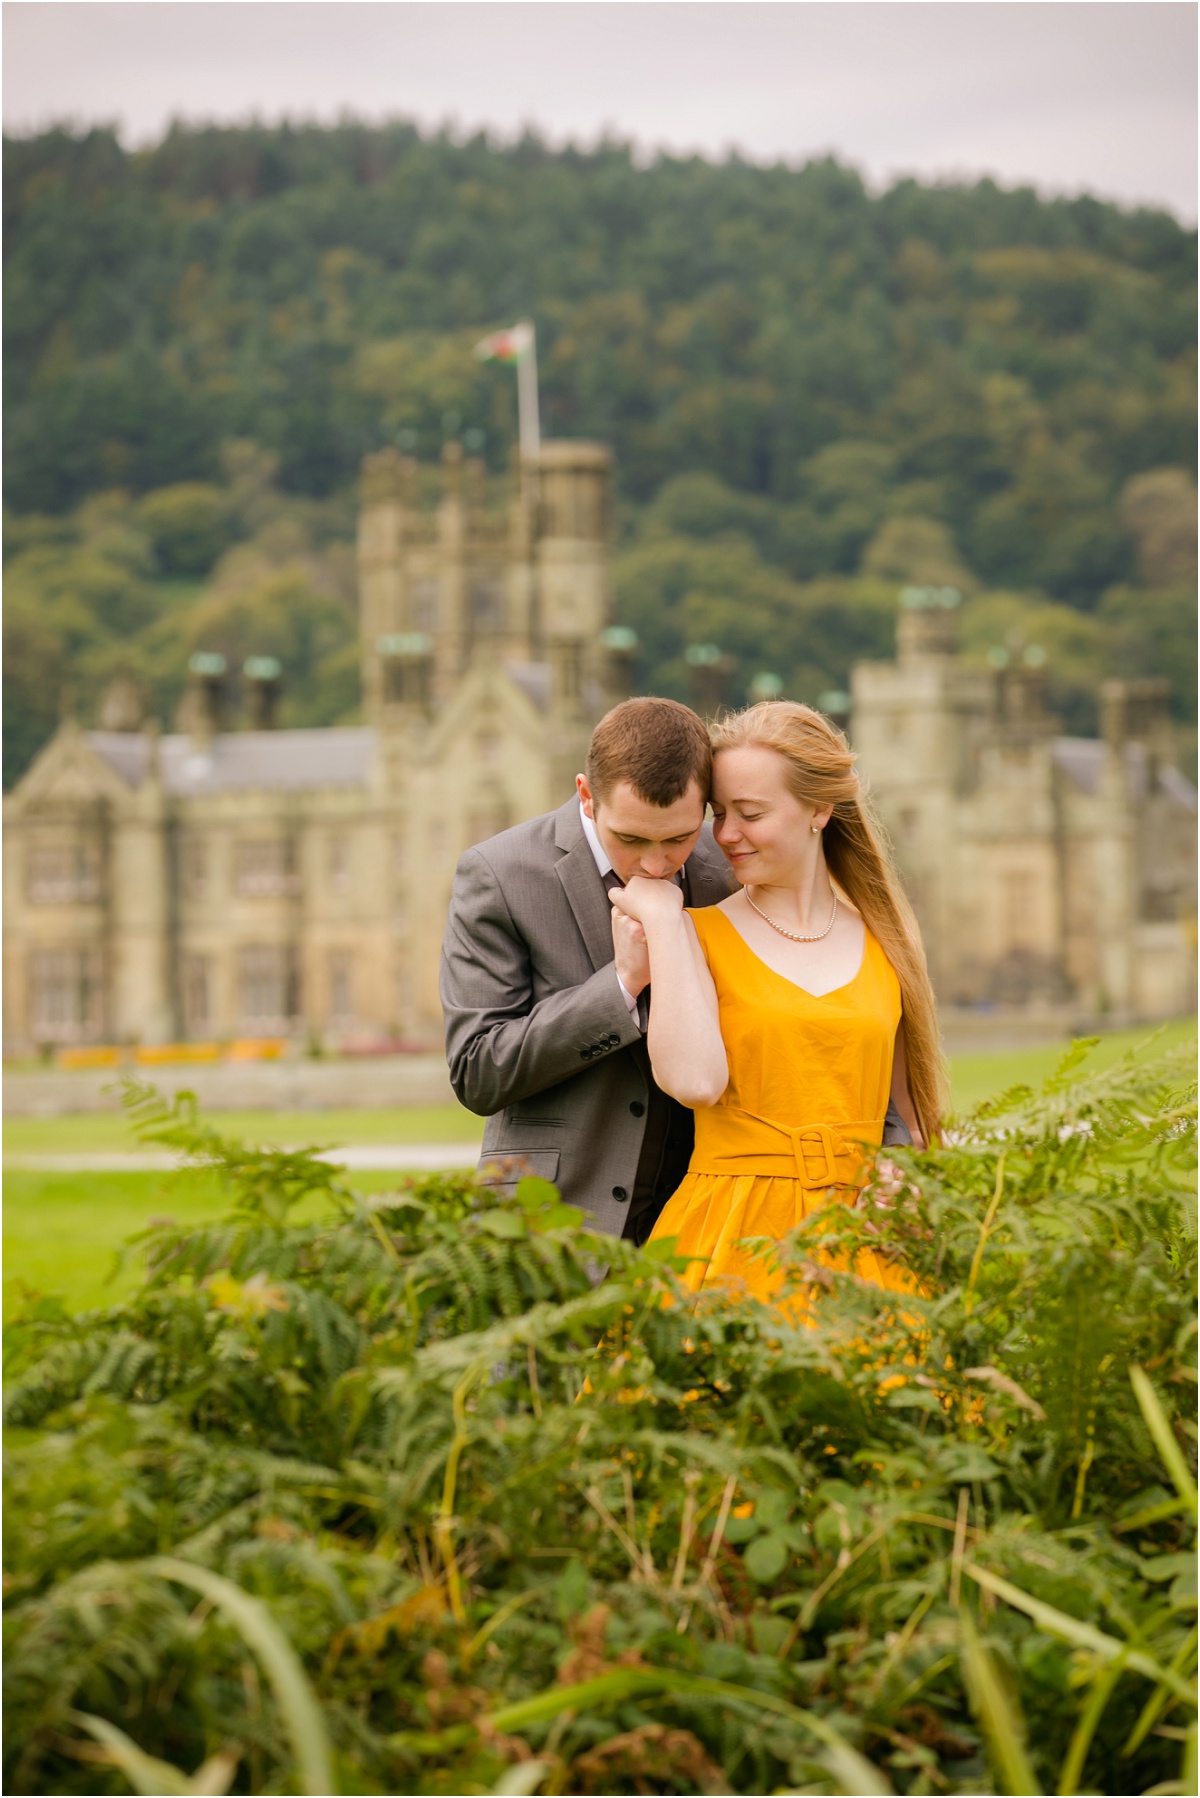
976 1077
109 1130
62 1231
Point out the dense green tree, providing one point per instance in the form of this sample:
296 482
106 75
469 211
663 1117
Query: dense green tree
809 389
94 597
186 525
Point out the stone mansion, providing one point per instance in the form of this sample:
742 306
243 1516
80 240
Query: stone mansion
214 884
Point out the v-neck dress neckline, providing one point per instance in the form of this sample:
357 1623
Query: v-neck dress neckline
763 962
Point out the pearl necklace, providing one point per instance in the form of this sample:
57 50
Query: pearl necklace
793 936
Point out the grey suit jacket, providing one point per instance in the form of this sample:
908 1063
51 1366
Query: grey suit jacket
538 1036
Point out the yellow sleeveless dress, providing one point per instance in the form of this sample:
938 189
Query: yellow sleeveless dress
809 1080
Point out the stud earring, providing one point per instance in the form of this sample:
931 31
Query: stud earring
816 829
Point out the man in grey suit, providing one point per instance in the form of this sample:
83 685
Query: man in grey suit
545 985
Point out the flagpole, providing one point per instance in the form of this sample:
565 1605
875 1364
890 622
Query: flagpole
529 427
519 345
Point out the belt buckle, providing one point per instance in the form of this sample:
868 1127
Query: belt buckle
806 1144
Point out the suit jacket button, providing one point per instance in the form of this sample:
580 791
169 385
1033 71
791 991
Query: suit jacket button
619 1192
585 1055
637 1108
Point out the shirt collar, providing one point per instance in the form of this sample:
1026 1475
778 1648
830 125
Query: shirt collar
603 863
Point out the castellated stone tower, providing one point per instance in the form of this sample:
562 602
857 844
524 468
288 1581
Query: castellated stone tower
217 883
1051 874
441 589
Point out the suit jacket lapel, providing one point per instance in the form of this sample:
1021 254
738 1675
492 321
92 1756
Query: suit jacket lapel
583 886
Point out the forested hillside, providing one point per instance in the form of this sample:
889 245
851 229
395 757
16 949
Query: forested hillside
813 394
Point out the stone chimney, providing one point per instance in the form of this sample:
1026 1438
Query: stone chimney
1019 691
123 706
201 710
1137 713
1134 711
764 685
263 678
620 647
710 669
928 623
837 706
407 661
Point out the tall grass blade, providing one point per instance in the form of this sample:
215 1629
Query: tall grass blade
1164 1437
1084 1635
999 1715
147 1775
289 1682
1085 1729
523 1779
1154 1704
853 1775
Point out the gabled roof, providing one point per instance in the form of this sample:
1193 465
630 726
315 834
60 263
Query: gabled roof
278 760
66 771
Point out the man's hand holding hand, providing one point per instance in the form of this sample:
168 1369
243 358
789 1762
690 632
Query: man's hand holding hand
637 906
630 953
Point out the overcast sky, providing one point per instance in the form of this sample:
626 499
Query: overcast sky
1072 97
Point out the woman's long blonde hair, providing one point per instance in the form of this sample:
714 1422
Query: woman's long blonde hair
820 772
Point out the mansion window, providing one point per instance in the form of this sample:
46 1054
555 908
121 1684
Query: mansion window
265 867
65 995
195 867
63 873
339 863
197 984
487 603
341 986
1018 897
403 988
268 988
488 820
423 604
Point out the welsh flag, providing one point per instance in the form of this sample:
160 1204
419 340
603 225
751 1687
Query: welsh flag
505 346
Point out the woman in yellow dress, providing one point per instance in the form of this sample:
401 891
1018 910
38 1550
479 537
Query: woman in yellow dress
786 1016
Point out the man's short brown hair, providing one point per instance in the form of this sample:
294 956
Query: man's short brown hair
659 746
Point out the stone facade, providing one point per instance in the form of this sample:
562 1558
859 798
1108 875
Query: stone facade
1049 873
211 884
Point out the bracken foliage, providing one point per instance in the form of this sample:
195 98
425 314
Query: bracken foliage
440 1493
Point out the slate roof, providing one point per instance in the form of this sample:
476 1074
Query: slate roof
237 761
533 678
1082 758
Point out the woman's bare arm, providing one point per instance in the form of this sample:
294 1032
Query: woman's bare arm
687 1054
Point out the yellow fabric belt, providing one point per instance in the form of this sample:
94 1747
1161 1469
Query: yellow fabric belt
817 1155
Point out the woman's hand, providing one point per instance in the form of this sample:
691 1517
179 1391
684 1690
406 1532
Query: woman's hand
648 902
